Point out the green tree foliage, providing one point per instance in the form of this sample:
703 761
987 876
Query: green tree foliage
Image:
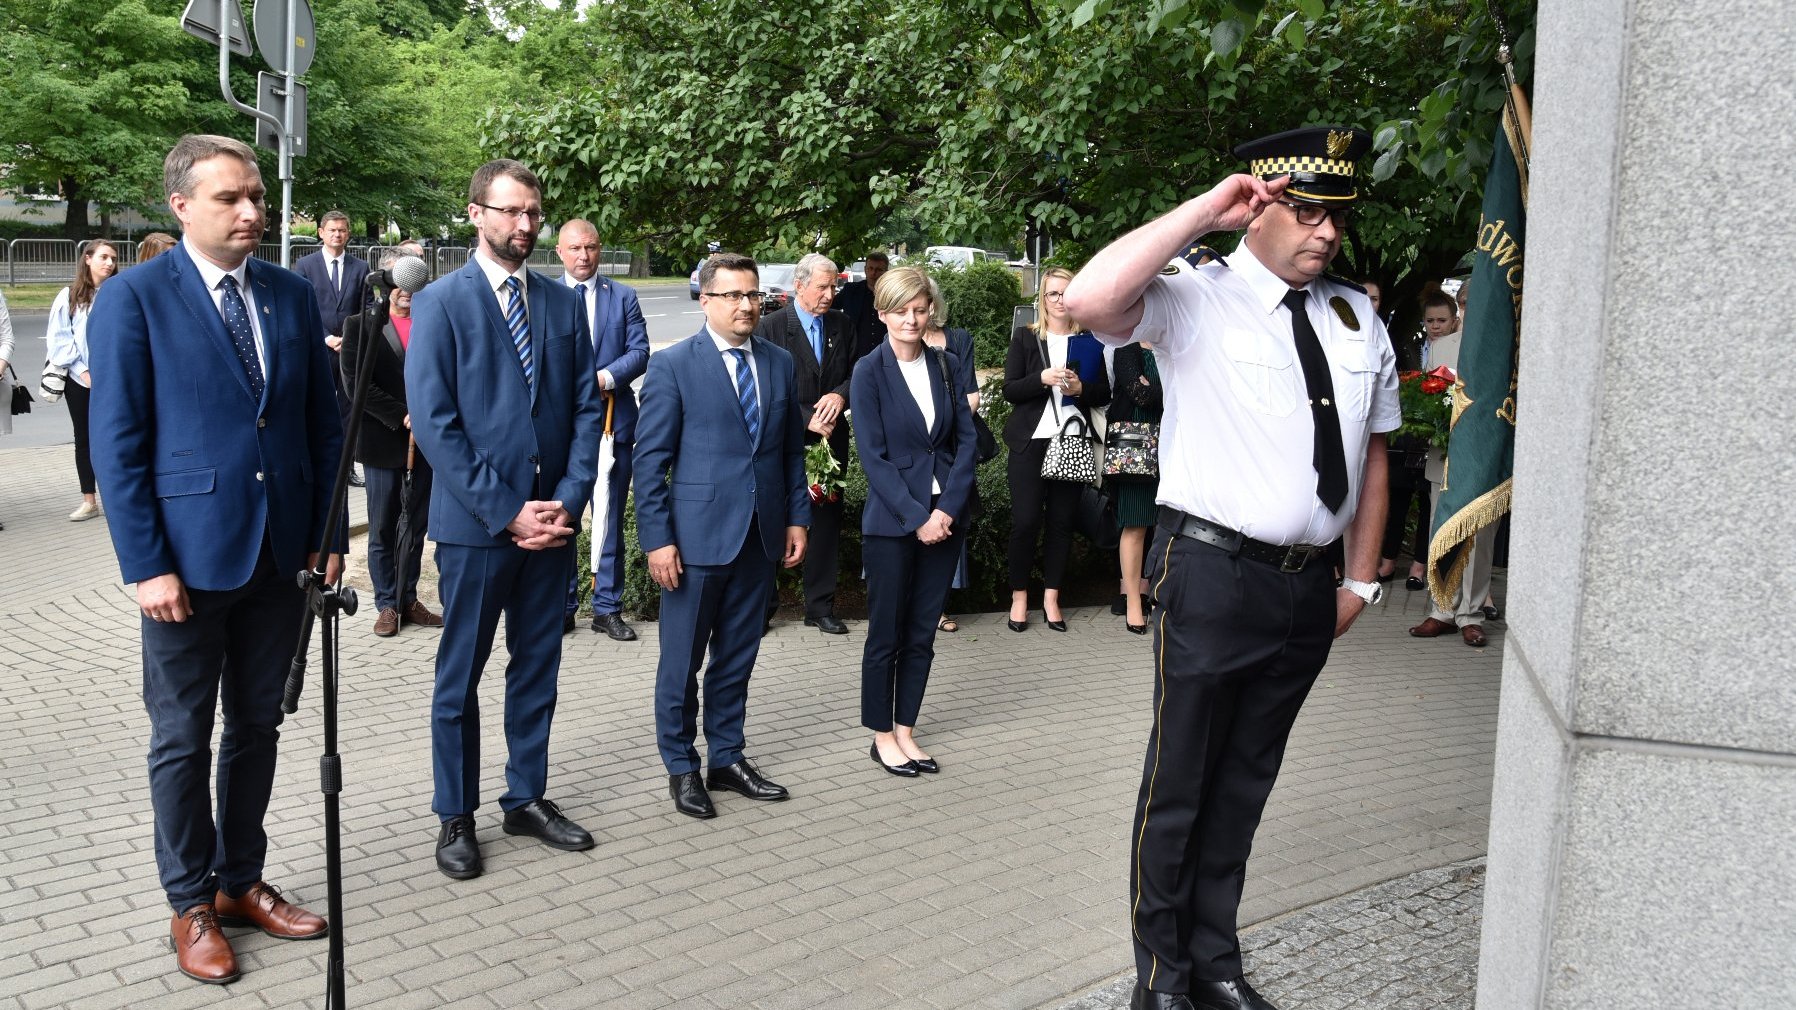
982 299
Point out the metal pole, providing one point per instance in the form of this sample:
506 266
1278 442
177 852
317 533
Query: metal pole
287 139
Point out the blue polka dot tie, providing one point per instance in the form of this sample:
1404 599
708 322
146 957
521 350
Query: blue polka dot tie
243 338
745 394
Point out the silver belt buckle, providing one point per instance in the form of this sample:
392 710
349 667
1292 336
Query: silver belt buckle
1297 556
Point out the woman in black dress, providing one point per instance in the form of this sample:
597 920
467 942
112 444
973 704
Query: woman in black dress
1136 396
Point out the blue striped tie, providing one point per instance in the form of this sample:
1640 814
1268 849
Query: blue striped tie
745 394
520 328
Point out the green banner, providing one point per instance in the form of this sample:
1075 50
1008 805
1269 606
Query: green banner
1481 447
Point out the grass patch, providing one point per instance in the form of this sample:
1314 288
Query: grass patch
31 297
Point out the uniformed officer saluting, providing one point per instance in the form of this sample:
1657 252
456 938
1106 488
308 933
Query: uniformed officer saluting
1279 384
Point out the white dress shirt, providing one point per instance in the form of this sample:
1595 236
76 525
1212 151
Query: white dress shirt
916 376
1053 413
729 361
1237 436
211 274
496 276
592 324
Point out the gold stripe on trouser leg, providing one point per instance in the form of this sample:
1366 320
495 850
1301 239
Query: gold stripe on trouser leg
1153 776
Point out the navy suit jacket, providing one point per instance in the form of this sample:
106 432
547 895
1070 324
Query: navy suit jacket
620 339
335 305
494 441
195 468
698 480
901 458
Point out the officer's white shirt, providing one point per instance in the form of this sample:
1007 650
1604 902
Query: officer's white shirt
1237 436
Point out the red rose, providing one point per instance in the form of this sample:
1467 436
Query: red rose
816 493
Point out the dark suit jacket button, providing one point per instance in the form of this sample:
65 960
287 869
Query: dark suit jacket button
532 411
261 422
533 458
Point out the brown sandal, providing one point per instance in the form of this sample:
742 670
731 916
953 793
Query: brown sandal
948 624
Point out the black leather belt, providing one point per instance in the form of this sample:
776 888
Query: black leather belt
1286 558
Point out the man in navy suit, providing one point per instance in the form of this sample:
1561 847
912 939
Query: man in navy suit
620 340
821 343
215 434
337 280
855 300
506 407
721 444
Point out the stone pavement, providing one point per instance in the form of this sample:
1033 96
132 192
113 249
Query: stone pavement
999 883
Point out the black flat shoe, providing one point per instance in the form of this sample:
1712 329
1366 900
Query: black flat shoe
926 765
907 770
458 852
1414 584
1053 625
542 819
1490 613
689 795
1137 629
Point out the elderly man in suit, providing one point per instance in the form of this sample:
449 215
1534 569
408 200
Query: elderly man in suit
337 281
721 447
620 340
505 404
215 435
385 448
821 343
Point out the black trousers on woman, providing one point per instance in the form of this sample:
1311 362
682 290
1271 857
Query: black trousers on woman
1031 498
907 584
1409 484
77 396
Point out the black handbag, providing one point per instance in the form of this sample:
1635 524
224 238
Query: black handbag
985 447
21 394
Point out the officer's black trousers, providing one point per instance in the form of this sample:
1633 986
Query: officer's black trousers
1237 644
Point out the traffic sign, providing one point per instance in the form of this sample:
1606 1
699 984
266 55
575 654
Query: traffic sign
271 34
201 20
271 97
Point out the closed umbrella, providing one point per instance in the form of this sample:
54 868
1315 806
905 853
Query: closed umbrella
402 531
601 498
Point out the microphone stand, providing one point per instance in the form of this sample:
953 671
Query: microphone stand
325 602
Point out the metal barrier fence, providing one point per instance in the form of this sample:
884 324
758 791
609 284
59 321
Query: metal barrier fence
53 260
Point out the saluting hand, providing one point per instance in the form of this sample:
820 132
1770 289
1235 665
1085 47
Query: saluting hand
1235 201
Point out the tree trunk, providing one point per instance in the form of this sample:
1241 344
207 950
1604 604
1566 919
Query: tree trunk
639 263
75 224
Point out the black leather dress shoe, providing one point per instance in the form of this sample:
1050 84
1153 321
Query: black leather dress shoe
907 770
689 796
1235 994
614 627
543 820
355 479
829 624
1148 999
458 852
742 777
568 623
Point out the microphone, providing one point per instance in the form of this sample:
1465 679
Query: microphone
409 274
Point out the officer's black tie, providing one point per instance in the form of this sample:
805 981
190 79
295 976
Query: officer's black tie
1330 462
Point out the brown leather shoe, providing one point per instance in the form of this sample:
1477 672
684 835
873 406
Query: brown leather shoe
417 613
263 907
1432 628
387 624
201 951
1473 635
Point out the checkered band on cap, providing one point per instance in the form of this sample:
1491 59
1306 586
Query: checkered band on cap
1311 165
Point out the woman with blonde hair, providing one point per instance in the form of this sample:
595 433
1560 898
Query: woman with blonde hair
915 437
153 245
66 338
1053 372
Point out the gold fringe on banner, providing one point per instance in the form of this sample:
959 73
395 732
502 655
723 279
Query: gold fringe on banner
1487 509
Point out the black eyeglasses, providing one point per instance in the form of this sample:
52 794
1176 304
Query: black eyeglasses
1311 214
736 297
515 213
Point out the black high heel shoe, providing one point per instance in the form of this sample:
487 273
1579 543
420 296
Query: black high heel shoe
1054 625
907 770
1414 584
1018 626
1137 629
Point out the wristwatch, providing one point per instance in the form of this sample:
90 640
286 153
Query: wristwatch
1371 592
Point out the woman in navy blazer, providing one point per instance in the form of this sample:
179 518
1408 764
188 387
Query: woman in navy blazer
914 433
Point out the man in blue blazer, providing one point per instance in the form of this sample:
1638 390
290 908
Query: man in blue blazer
506 407
620 340
215 435
337 283
721 445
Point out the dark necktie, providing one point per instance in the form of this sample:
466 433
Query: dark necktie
520 328
336 278
1328 458
745 394
243 338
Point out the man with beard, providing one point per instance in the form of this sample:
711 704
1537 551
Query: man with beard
505 405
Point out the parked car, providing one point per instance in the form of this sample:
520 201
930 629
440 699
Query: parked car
959 256
692 284
776 281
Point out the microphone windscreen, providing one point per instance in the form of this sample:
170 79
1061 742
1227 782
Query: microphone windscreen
411 274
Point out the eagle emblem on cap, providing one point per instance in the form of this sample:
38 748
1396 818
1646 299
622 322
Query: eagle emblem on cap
1338 143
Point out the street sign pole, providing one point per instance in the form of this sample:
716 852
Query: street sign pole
287 71
280 127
